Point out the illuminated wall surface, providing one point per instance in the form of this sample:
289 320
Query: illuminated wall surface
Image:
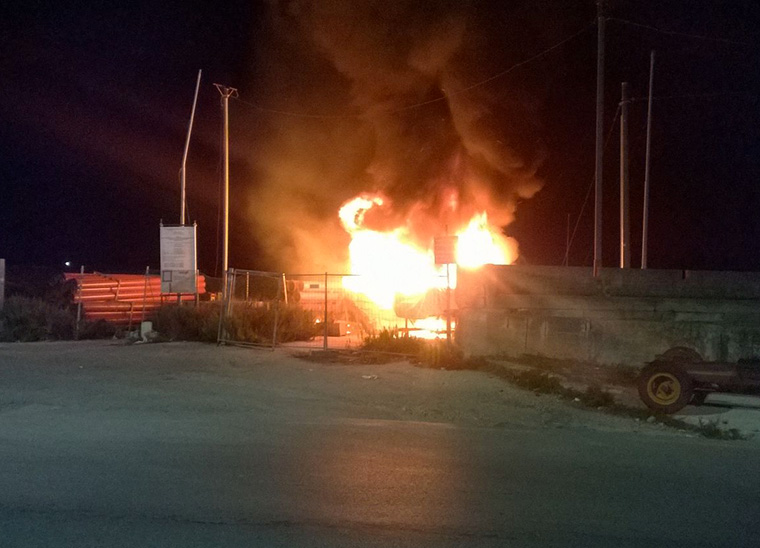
623 316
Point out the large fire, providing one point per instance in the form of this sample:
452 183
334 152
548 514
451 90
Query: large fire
390 266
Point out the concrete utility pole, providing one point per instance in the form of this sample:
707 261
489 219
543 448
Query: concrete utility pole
599 138
226 94
184 155
2 283
625 224
645 223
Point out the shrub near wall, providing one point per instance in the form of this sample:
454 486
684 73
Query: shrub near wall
28 319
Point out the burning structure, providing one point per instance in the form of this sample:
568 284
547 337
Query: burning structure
381 142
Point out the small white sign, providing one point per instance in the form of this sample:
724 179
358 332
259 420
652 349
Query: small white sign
444 249
178 259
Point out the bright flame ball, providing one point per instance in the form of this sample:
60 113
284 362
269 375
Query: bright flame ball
479 245
390 263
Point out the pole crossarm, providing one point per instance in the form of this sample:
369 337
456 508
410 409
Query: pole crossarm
227 92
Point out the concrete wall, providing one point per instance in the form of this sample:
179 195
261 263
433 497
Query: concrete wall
623 316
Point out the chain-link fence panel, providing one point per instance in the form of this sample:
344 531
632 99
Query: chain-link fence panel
251 308
326 310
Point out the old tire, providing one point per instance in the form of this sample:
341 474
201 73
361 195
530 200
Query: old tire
680 354
665 387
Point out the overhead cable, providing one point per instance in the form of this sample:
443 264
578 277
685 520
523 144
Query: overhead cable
682 34
588 192
500 74
431 101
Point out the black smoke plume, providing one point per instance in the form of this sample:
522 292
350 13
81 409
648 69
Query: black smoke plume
390 97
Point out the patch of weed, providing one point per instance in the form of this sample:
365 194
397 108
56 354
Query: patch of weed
254 324
392 341
595 396
29 319
187 322
710 429
539 382
442 355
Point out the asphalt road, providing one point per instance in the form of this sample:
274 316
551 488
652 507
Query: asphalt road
132 465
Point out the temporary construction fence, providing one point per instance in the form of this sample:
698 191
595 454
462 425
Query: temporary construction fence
324 310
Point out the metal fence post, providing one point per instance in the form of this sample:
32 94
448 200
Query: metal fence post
231 287
145 296
324 343
79 300
223 309
276 314
131 312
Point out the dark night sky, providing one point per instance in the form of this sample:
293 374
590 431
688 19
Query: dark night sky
94 104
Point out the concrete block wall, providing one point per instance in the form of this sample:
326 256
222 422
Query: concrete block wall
623 317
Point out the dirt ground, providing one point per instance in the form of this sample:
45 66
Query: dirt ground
34 373
189 444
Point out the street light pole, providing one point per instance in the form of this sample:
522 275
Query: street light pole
226 93
183 200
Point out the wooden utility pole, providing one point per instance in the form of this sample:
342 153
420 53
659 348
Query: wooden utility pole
599 138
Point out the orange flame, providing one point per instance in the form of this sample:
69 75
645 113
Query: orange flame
480 244
391 264
388 262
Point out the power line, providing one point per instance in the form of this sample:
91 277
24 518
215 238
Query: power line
588 192
431 101
682 34
295 114
698 95
500 74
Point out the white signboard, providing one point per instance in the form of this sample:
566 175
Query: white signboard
178 260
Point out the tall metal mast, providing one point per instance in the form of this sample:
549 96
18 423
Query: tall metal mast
183 200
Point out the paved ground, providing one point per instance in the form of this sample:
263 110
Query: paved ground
190 445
